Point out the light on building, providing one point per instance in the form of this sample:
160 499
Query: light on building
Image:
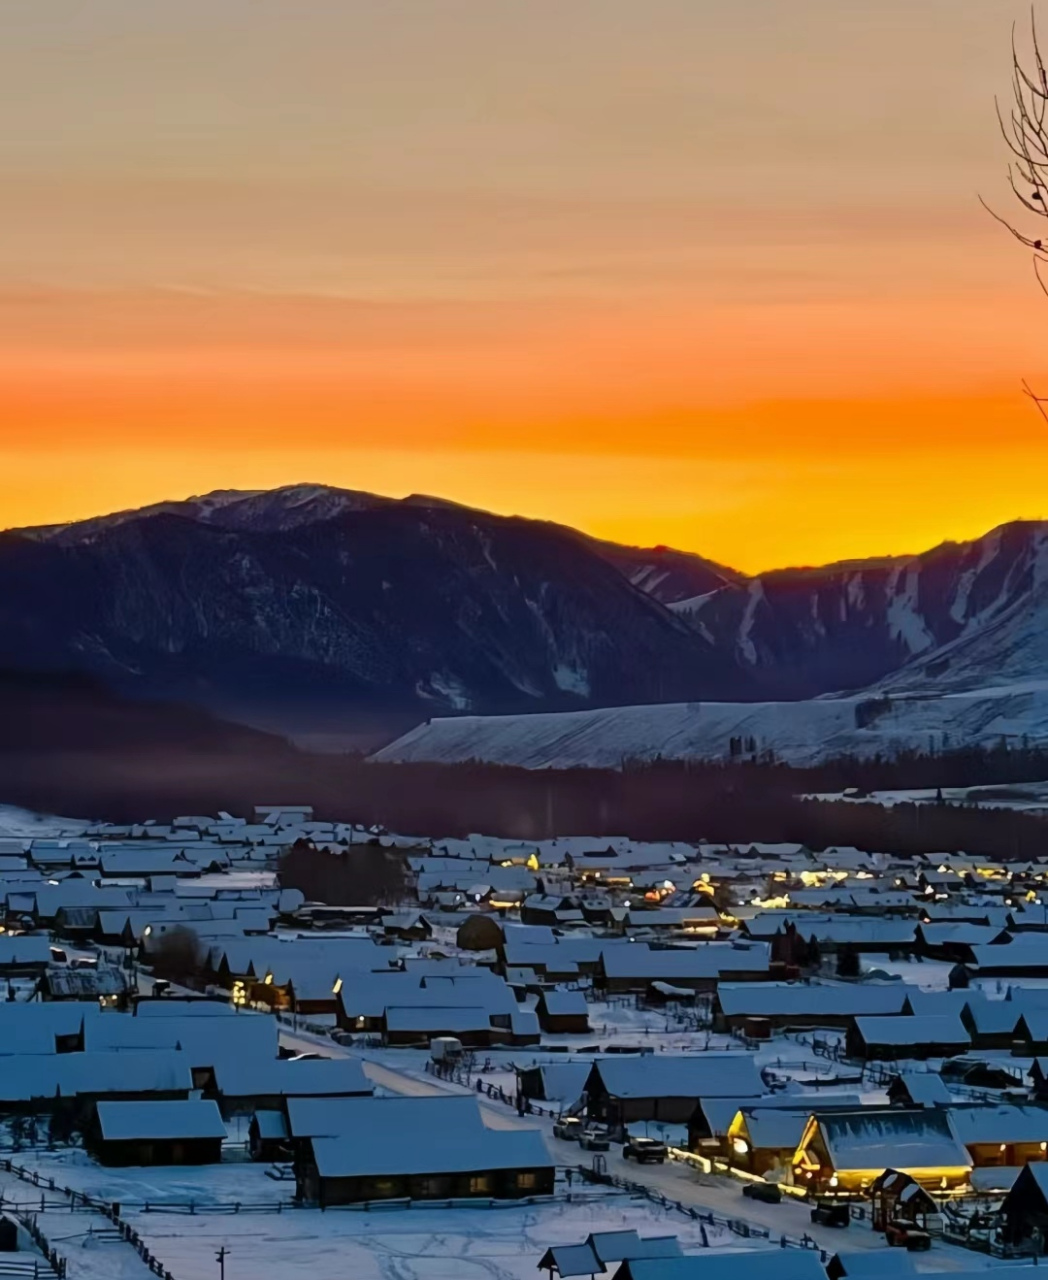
337 987
740 1146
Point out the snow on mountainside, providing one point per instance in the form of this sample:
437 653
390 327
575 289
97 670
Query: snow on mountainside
318 603
804 632
798 733
310 595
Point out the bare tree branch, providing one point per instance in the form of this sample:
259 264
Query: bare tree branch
1025 132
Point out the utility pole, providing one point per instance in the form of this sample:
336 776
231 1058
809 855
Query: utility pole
220 1258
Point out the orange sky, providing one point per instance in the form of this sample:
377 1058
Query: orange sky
680 272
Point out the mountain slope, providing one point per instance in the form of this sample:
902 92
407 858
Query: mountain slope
392 607
804 632
297 606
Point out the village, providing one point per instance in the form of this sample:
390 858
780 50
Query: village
578 1056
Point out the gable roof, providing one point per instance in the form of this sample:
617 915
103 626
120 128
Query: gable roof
777 1264
130 1121
725 1075
936 1028
872 1139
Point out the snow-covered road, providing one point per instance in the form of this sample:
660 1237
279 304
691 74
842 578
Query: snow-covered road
679 1181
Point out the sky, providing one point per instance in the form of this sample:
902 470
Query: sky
704 273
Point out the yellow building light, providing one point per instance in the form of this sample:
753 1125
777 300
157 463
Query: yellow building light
337 987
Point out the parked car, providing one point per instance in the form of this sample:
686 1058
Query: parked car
906 1236
568 1128
768 1192
831 1213
644 1150
594 1140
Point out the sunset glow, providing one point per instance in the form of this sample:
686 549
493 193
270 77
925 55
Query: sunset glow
632 267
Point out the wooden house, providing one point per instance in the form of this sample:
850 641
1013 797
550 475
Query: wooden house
891 1038
156 1133
802 1005
1001 1136
897 1196
620 1091
846 1151
430 1148
1024 1213
913 1089
563 1012
268 1138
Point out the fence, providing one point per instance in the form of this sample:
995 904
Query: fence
736 1226
447 1071
79 1199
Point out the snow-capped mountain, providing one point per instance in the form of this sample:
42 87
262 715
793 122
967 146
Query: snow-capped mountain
308 603
957 617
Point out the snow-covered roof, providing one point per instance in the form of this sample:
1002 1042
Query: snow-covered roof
250 1077
561 1003
706 961
372 1137
776 999
431 1018
925 1088
989 1124
205 1041
188 1118
938 1028
776 1264
726 1075
871 1139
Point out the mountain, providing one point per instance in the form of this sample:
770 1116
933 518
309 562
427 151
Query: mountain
321 610
961 615
301 606
942 650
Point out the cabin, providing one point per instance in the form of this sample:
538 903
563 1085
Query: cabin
802 1005
888 1039
763 1140
761 1136
479 933
620 1091
1031 1033
713 1264
991 1023
24 955
1002 1136
268 1138
844 1152
1038 1074
187 1132
632 967
563 1012
602 1250
103 984
898 1197
243 1086
351 1150
559 1082
867 1262
914 1089
1024 1213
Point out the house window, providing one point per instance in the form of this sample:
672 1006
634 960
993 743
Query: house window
479 1184
526 1181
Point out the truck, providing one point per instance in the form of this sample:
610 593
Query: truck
445 1049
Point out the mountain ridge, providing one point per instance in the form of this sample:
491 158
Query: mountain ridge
307 604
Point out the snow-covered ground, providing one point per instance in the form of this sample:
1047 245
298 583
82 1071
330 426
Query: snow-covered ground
501 1243
797 732
22 823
